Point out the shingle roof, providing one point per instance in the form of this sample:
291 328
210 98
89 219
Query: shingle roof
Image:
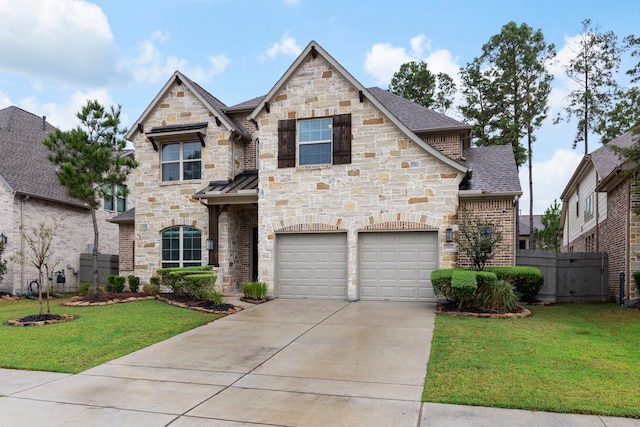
23 157
415 116
494 170
606 160
247 105
124 217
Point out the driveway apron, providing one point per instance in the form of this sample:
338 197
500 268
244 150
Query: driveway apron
283 363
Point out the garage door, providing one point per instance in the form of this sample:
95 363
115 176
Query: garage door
397 266
312 265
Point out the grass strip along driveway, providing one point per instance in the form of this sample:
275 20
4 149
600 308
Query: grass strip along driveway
98 335
576 358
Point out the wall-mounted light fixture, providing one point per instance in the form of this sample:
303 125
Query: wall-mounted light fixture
449 235
209 244
3 238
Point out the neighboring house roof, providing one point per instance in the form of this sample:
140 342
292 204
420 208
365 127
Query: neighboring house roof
215 106
416 117
494 172
125 217
314 49
246 105
523 224
23 158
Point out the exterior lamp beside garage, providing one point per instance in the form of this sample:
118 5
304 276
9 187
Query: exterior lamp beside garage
209 244
449 235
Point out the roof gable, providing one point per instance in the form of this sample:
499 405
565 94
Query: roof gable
23 158
314 49
215 106
494 171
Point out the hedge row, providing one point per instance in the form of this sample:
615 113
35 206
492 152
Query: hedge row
196 282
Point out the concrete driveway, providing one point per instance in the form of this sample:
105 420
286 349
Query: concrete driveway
285 363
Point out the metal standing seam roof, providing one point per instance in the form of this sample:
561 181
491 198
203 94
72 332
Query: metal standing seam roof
23 158
245 182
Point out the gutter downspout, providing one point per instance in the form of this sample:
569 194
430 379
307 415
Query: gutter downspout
627 271
22 281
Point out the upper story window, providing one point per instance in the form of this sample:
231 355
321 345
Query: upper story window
589 206
114 197
578 200
181 161
181 247
314 141
320 141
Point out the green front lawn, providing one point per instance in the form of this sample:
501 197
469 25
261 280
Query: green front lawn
99 334
577 358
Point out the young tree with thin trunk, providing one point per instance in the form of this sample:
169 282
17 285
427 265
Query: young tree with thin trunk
593 68
548 237
40 254
515 87
89 157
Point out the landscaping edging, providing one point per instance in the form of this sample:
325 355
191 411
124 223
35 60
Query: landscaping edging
235 309
524 313
77 301
63 318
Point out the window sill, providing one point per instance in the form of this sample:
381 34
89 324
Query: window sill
188 181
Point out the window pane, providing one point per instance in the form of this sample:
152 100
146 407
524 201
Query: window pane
315 154
170 152
191 244
191 170
192 150
171 244
315 130
170 264
171 171
122 204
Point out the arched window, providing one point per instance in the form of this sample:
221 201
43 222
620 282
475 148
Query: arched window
181 247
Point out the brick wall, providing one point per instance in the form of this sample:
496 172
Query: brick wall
448 144
127 249
501 213
613 236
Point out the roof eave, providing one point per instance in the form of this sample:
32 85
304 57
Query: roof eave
577 174
241 198
475 194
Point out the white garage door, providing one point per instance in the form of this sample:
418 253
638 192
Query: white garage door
397 266
312 265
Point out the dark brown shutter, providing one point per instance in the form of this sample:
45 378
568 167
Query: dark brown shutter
341 139
286 143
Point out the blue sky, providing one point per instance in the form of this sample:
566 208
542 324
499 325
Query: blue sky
56 54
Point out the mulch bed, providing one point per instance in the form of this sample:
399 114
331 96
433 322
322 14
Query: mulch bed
253 301
452 309
40 320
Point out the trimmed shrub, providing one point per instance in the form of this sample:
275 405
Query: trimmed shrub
115 283
526 280
170 277
255 290
636 280
201 286
463 286
154 280
441 281
134 283
151 290
85 288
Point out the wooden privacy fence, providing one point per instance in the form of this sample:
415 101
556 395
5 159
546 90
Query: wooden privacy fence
107 264
569 277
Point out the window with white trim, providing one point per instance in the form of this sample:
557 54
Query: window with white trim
181 161
114 197
589 207
315 141
181 247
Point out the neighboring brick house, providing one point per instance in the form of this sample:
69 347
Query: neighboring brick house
30 194
597 213
322 188
524 232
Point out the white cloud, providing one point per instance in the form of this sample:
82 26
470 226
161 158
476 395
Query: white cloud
63 116
384 59
287 46
549 179
64 40
147 64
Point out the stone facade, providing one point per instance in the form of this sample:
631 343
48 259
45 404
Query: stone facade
389 180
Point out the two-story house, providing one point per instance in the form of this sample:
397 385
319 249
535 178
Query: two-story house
322 188
597 213
30 194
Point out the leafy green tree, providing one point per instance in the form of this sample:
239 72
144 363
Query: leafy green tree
88 158
548 237
414 81
593 69
515 88
478 238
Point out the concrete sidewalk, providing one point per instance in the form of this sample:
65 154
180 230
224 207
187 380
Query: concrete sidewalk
284 363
